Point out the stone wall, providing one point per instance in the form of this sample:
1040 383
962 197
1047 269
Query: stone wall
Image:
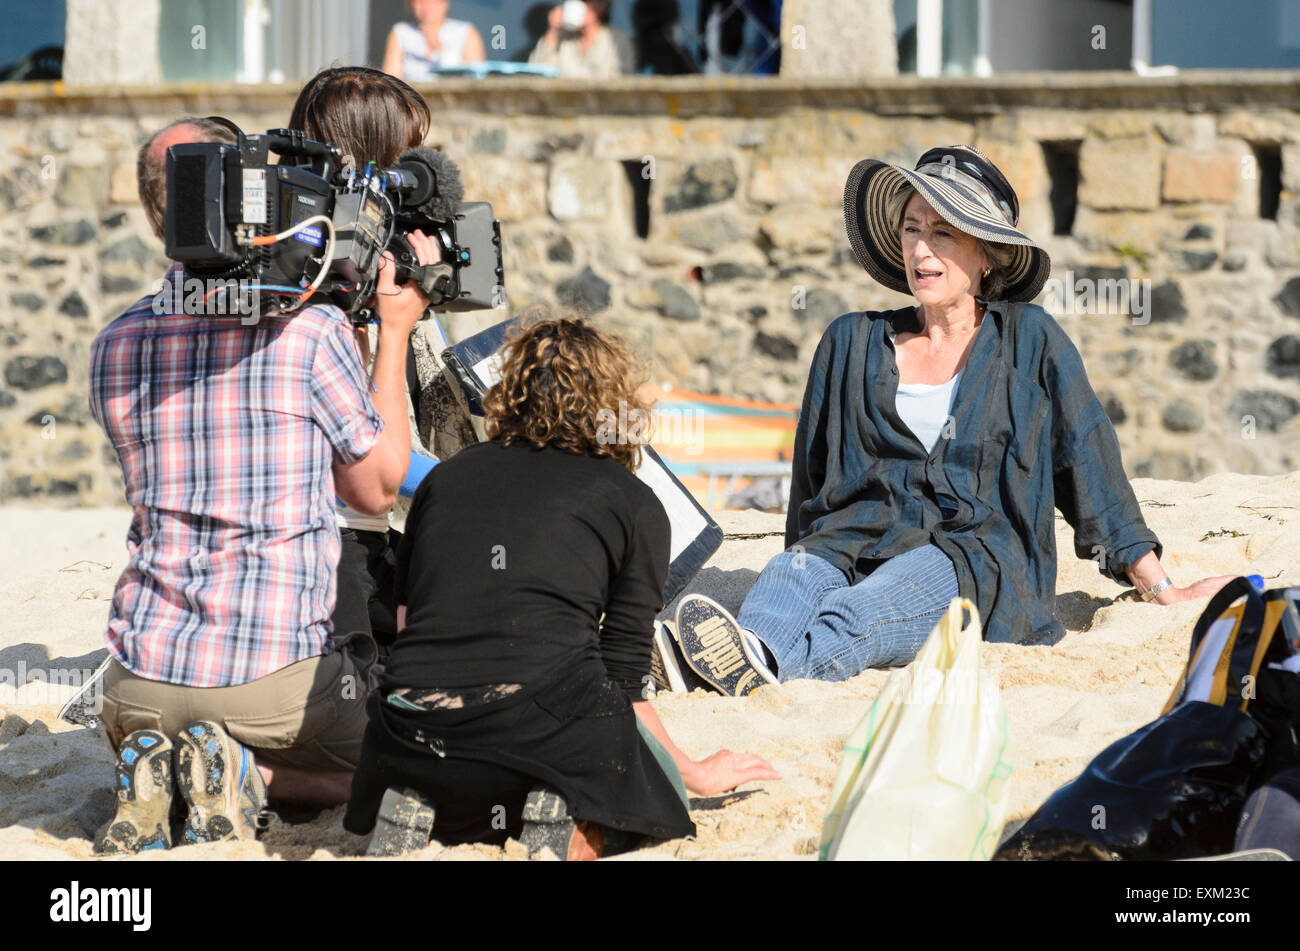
702 219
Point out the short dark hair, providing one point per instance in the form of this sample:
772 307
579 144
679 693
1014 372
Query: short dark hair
370 115
151 169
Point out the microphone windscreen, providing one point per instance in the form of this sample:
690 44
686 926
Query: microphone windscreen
445 192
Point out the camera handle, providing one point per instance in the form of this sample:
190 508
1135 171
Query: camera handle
435 280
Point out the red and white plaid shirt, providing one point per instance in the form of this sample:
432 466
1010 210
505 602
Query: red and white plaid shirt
226 434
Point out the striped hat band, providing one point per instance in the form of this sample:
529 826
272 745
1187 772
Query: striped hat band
984 206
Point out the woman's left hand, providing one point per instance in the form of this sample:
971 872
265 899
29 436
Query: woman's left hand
1205 588
725 770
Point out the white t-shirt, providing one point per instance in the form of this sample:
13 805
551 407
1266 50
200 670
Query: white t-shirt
417 63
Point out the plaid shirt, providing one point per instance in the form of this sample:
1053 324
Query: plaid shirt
1027 436
226 435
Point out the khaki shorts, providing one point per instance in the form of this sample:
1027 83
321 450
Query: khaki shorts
311 714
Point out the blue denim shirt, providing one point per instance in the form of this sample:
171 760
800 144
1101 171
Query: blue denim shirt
1027 437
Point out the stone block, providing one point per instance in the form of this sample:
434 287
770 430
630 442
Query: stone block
798 229
21 187
586 190
71 233
1122 124
586 292
1191 176
517 190
705 232
31 373
1121 173
1269 410
132 251
1034 125
1182 416
667 298
1261 125
1287 298
1283 357
1180 128
1194 360
816 179
1139 237
123 186
700 184
1291 167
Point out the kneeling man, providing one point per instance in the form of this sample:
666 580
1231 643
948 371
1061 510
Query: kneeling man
227 685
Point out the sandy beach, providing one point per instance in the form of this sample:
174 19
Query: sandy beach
1112 673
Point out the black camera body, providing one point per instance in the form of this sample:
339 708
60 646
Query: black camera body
291 231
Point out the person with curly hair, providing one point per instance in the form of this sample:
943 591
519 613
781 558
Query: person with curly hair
528 580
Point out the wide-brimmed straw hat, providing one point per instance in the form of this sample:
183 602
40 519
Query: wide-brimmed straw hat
966 190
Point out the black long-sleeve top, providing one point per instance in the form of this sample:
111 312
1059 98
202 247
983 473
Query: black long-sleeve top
1028 436
510 557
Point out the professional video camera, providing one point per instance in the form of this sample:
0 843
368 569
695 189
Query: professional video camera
290 231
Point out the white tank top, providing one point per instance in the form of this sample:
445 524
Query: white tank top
417 64
924 407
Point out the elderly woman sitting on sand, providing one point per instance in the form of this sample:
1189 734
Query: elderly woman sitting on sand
934 445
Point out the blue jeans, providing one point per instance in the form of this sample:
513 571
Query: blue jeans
819 626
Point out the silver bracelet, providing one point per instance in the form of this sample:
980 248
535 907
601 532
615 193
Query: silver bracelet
1150 593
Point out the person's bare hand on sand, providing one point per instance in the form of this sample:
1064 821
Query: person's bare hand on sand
1205 588
724 771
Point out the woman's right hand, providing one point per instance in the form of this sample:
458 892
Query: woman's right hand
724 771
554 21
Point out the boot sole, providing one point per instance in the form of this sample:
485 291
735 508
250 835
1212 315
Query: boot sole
547 824
404 824
202 774
142 821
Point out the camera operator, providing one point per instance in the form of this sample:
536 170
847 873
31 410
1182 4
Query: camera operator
233 441
372 117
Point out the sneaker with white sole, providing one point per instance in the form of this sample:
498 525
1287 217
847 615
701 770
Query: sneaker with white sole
220 782
668 666
144 796
714 647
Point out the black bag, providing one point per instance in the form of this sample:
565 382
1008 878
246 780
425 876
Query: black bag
1175 788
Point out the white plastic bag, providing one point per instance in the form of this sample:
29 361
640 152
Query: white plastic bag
926 774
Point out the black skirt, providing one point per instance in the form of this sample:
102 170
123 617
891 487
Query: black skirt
575 733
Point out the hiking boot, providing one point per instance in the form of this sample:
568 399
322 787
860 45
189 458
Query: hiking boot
404 823
714 647
548 825
668 666
220 781
144 796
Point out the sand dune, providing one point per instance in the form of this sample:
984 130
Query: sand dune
1112 673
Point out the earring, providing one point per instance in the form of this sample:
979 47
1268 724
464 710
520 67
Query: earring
988 271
